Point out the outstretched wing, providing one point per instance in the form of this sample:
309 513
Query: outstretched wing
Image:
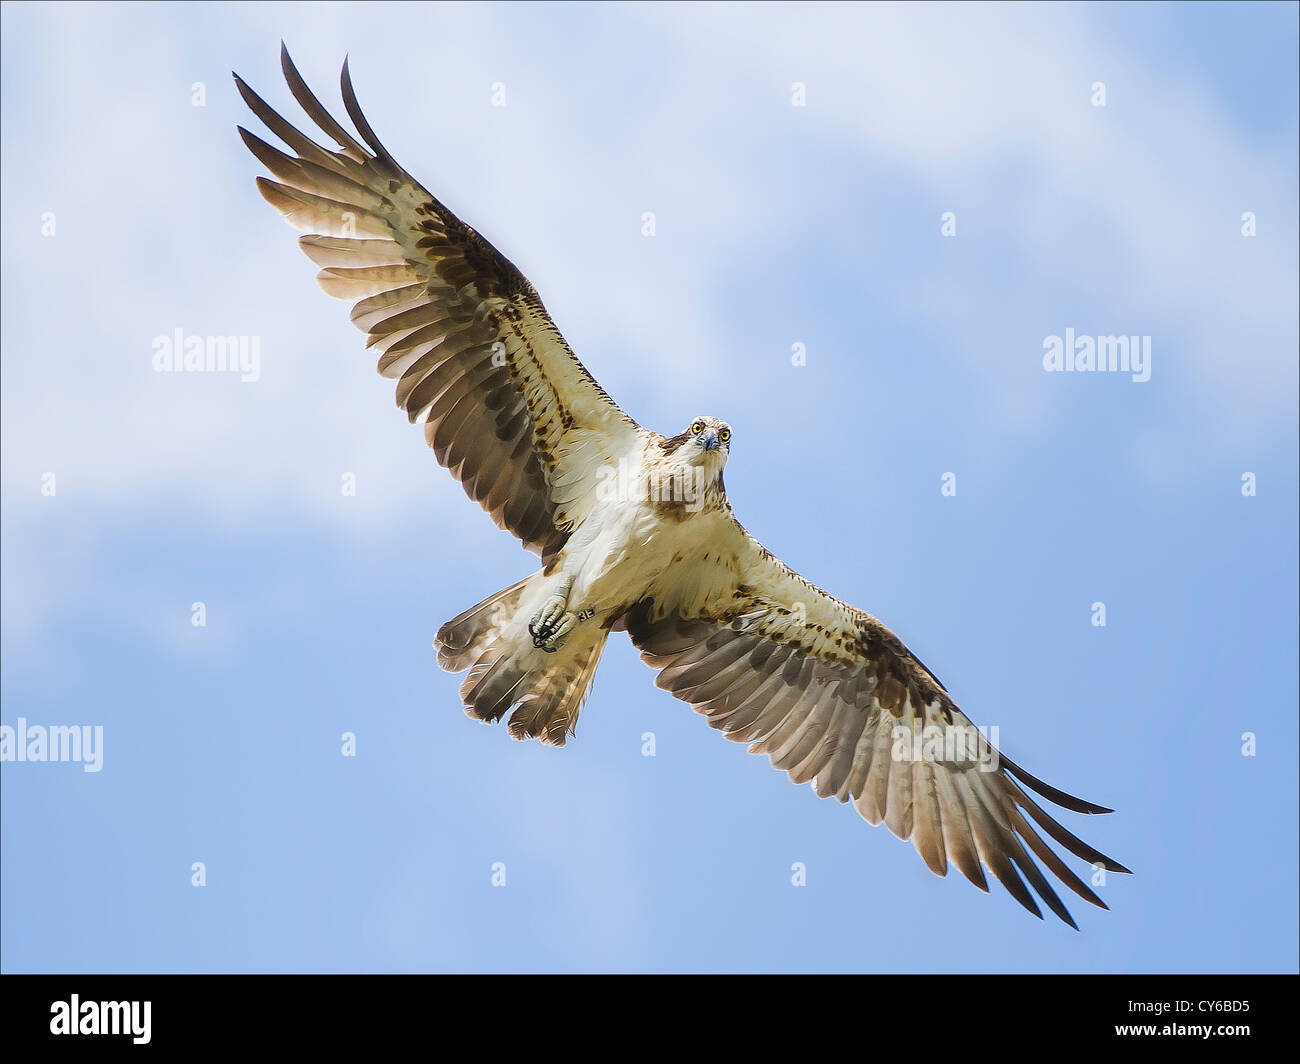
507 407
833 696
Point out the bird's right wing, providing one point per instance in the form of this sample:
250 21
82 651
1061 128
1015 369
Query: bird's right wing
834 698
507 407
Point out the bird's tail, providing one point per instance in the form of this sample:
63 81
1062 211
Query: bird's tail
506 670
462 640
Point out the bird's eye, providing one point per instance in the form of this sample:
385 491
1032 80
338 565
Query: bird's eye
724 435
697 428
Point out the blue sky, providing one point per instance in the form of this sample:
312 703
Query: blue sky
776 225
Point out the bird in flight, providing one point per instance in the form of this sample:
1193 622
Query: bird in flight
635 533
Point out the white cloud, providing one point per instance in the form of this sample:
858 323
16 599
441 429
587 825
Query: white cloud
160 227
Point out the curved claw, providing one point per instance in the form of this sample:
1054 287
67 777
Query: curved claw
549 632
552 622
540 637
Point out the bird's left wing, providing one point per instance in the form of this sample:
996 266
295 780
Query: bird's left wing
507 407
833 696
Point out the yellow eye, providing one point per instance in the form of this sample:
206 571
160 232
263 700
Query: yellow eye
724 435
697 428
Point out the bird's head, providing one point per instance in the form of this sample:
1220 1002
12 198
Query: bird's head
705 443
690 470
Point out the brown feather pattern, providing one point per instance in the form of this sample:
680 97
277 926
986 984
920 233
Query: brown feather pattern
460 329
820 688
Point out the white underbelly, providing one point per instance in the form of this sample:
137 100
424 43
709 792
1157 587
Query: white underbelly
627 550
614 556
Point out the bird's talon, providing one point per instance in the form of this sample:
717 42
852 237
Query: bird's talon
548 630
547 622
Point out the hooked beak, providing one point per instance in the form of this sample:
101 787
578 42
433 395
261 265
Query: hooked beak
709 441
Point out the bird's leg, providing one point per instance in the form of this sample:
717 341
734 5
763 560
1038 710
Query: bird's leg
553 622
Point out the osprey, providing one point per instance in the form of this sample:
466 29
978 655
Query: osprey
636 534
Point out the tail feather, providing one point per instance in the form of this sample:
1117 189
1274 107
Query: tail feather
550 710
462 640
546 690
493 686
